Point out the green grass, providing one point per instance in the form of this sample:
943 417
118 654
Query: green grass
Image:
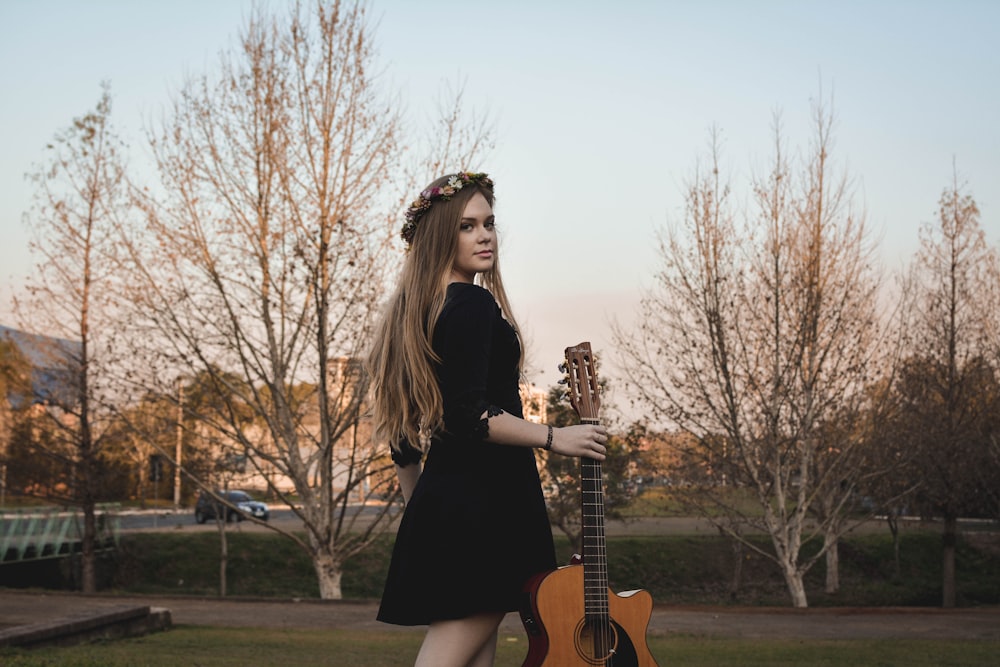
654 502
187 645
676 569
661 501
259 565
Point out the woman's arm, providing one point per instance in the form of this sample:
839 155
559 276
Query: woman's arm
465 334
580 440
407 476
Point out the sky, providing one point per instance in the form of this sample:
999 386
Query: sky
602 111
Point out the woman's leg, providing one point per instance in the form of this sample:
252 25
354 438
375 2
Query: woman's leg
487 654
464 642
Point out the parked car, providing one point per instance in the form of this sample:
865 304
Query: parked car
208 507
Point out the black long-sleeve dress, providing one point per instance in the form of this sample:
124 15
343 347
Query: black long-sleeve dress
475 529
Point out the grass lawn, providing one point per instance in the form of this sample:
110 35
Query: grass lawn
189 645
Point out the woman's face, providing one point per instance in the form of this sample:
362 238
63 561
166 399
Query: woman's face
477 241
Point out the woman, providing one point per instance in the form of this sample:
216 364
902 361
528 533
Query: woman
445 369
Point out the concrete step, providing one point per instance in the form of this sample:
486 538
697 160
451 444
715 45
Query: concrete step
108 623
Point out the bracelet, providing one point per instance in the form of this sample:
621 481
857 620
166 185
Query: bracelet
548 440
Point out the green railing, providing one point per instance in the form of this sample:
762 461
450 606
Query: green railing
36 533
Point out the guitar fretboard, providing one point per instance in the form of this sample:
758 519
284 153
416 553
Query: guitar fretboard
595 567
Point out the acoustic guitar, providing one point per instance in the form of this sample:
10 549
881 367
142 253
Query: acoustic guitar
572 617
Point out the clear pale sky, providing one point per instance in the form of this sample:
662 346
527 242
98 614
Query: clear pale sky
602 110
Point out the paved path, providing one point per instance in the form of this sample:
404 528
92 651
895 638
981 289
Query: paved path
17 607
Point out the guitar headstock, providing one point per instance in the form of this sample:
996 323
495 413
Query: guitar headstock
581 381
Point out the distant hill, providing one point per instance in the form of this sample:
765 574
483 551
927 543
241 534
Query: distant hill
51 360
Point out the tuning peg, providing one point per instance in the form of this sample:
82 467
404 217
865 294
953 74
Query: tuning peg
563 368
563 381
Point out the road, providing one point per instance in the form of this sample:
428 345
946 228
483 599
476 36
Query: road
143 520
146 520
19 608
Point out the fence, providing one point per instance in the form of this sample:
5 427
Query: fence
39 533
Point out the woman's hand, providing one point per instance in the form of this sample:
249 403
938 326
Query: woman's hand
586 440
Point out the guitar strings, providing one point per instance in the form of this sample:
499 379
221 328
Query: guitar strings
603 632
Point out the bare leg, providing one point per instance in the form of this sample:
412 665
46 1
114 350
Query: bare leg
465 642
487 654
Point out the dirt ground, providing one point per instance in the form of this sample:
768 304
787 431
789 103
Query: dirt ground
20 608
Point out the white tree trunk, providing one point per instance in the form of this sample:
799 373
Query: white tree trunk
832 544
796 586
785 536
328 572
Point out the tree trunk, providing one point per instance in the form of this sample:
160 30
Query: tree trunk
329 573
796 586
88 553
949 540
734 584
832 544
86 480
893 520
223 551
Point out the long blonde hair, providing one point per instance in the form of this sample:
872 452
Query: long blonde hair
406 398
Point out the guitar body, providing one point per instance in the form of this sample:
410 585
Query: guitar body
559 635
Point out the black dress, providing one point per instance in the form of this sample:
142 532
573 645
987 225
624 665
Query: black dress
475 529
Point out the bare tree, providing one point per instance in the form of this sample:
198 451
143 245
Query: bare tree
456 136
756 338
260 262
948 389
66 299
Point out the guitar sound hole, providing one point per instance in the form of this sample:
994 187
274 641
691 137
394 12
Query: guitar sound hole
596 641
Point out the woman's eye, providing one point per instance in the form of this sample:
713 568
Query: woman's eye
465 227
490 225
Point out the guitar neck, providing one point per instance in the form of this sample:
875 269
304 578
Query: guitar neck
595 569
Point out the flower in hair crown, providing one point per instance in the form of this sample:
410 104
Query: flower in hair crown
445 192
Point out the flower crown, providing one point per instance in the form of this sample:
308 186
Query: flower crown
444 192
